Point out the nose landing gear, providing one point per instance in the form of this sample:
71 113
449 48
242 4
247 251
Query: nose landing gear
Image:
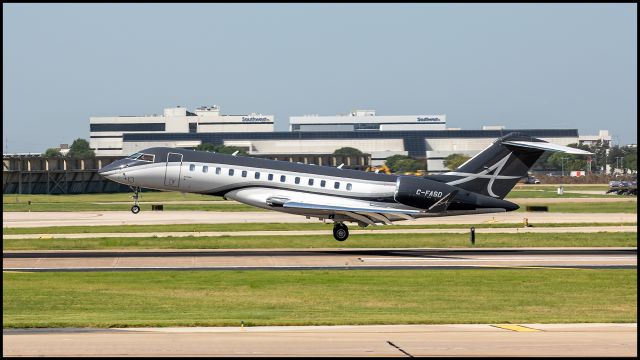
135 208
340 231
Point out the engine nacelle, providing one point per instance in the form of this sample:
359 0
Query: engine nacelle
419 192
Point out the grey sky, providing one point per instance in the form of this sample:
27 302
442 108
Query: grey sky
519 65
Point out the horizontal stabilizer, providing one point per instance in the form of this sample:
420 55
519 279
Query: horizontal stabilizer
547 146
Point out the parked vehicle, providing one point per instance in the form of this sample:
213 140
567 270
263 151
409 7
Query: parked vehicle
623 187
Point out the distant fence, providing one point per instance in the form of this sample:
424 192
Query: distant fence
587 179
34 174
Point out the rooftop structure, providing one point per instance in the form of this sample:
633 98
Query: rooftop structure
106 132
603 136
367 120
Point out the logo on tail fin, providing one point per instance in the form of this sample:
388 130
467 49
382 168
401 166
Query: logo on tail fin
484 174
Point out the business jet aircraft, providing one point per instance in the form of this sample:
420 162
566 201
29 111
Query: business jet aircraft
339 195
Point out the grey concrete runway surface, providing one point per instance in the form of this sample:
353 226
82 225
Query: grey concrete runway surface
328 232
371 340
338 259
39 219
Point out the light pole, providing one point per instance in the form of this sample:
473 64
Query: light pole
619 165
562 159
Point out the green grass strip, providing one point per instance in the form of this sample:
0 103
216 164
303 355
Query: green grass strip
75 198
595 207
270 227
326 241
318 297
518 194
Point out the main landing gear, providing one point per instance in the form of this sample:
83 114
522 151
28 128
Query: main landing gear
135 208
340 231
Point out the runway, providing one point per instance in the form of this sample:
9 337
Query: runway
81 218
519 230
484 340
337 259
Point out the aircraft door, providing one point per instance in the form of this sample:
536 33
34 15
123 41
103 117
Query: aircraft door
172 170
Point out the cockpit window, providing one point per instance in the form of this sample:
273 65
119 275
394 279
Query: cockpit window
134 156
147 157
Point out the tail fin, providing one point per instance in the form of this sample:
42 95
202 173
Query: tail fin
498 168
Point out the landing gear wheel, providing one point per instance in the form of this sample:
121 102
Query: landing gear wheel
340 232
135 208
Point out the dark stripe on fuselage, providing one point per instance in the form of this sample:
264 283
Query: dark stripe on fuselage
226 189
226 159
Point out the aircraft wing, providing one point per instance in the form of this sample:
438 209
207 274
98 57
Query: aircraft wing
365 214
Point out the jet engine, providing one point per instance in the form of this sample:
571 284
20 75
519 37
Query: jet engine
423 193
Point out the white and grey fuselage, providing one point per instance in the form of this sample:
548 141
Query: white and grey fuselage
477 186
310 190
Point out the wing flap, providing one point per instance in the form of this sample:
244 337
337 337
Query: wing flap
301 205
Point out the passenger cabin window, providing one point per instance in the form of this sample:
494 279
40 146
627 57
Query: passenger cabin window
218 171
257 175
336 185
283 178
349 186
244 173
323 183
297 180
205 169
270 177
310 182
231 172
192 167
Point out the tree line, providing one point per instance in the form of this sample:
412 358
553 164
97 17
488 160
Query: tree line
617 157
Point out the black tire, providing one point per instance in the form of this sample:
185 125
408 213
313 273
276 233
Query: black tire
340 232
135 209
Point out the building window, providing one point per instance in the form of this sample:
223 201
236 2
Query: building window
310 182
192 167
336 185
257 175
349 186
218 171
270 177
230 172
127 127
205 169
297 180
283 178
366 127
244 173
193 128
323 183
